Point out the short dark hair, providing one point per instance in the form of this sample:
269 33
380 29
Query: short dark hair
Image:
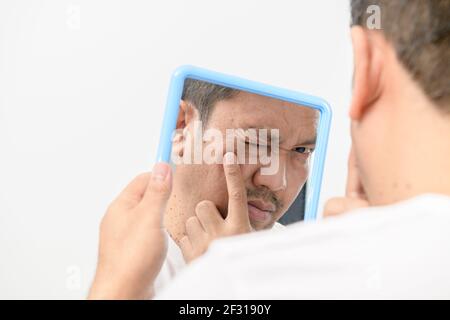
419 30
204 95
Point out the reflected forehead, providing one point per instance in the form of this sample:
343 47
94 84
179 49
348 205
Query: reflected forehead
248 110
260 111
262 106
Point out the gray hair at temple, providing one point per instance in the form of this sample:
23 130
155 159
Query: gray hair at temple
204 95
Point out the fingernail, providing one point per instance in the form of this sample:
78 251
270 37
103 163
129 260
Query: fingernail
229 158
160 171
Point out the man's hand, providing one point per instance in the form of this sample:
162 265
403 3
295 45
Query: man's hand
208 225
355 196
133 244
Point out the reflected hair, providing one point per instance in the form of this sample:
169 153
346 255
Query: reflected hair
204 96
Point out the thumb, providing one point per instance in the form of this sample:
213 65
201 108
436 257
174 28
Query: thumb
158 190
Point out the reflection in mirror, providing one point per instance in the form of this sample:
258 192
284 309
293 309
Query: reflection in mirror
273 140
273 134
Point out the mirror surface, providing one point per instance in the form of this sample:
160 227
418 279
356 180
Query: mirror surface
273 140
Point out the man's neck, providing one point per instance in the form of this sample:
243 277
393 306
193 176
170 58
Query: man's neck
423 158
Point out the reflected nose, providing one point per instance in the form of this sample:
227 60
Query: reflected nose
275 182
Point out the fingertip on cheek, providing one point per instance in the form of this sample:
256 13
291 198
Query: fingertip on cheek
229 158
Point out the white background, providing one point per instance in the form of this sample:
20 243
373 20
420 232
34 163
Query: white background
82 90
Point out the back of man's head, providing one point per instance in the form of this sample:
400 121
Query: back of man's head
400 108
419 30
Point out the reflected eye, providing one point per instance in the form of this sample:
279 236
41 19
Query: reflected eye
303 150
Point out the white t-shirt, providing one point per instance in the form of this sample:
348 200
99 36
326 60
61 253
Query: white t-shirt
397 251
174 262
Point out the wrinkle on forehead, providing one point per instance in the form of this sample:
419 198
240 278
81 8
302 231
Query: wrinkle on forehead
248 110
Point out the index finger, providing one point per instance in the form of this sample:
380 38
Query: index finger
237 193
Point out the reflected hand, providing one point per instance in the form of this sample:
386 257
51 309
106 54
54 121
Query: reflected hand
355 196
208 224
133 243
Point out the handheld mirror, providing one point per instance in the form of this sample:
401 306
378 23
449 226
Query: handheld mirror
279 138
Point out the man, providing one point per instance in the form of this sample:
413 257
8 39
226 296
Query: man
207 113
207 107
396 243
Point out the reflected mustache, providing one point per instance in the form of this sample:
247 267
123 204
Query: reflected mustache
265 195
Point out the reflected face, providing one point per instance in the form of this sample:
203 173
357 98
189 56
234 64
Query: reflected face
269 196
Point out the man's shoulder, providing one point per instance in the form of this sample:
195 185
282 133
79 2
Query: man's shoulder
372 252
373 230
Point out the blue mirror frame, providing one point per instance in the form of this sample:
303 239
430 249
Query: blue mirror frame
173 102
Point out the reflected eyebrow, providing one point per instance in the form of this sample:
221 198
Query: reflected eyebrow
306 142
269 133
310 141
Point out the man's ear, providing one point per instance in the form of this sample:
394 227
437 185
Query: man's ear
186 114
368 51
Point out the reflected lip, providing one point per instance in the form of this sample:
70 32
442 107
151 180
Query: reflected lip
262 205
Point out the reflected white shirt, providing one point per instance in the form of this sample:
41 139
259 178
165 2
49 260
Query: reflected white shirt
397 251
